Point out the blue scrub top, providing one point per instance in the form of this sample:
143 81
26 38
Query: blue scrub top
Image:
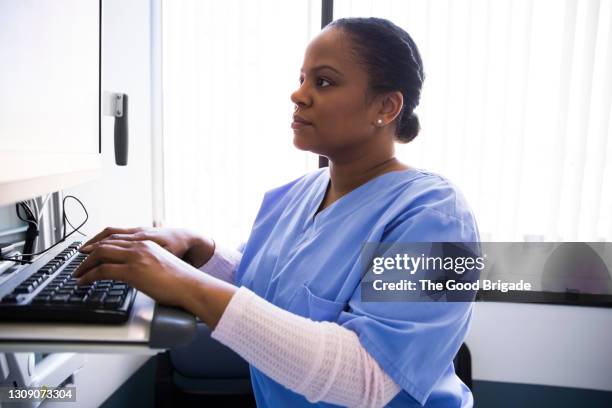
310 266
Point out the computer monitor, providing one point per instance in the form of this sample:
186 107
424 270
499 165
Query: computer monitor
50 86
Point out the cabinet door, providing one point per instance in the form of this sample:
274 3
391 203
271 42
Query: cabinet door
122 196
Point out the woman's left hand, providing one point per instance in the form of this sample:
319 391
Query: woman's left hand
142 264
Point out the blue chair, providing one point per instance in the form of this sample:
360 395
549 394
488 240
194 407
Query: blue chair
199 371
207 367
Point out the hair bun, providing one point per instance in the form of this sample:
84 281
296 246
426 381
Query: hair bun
409 128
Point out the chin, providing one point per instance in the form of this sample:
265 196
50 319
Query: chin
300 143
306 144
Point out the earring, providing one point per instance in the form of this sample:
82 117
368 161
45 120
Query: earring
379 122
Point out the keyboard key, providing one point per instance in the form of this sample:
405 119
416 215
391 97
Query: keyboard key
27 283
23 288
95 298
115 293
113 301
75 300
35 278
40 275
60 298
11 298
41 299
34 283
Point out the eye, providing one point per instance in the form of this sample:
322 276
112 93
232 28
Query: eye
322 81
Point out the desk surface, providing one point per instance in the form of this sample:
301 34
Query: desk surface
132 337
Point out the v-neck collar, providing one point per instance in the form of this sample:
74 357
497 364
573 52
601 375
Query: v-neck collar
324 180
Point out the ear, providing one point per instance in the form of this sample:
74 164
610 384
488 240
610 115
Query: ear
389 107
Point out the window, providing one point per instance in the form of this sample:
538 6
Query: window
228 72
515 109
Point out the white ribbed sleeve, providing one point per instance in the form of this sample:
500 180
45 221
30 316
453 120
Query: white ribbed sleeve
322 361
222 265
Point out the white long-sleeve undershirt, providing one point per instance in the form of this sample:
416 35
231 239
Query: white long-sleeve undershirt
322 361
223 263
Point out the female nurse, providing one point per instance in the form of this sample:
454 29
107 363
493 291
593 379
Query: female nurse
289 301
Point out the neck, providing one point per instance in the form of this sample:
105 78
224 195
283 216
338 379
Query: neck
348 173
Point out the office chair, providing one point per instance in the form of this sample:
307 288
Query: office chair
203 367
463 365
207 367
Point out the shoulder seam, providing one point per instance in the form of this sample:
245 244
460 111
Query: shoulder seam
446 214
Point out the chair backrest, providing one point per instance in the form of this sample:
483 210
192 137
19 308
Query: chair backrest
463 365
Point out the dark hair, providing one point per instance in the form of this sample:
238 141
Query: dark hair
393 63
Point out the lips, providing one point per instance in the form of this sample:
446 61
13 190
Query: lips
299 122
299 119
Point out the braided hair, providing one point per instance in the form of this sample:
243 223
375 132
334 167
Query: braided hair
392 62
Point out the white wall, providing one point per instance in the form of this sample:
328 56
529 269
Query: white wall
557 345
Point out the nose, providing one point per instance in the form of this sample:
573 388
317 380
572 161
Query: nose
301 97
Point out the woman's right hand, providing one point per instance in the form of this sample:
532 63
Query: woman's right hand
180 242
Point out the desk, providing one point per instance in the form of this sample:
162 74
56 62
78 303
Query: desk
150 329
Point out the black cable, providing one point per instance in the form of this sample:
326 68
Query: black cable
26 208
30 240
21 261
32 231
73 227
64 218
31 219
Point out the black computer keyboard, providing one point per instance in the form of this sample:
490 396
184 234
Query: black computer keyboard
47 291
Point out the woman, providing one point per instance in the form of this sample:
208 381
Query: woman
290 301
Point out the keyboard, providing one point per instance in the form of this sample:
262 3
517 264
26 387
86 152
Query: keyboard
46 291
